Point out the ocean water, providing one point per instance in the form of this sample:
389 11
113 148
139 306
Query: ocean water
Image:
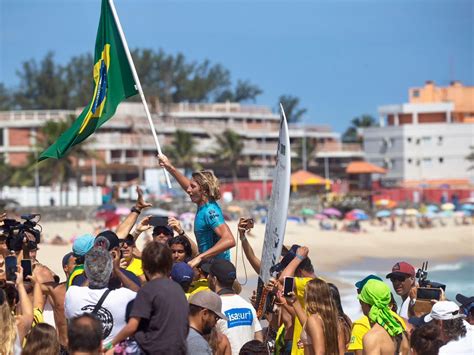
457 275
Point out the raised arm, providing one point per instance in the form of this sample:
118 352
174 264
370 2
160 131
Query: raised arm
182 180
126 226
226 241
301 254
247 248
26 319
141 227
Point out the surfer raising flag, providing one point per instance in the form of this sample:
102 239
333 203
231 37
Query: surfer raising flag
212 233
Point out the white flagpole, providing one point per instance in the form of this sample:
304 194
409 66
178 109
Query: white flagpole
137 82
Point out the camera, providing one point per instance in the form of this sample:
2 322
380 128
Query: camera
423 282
16 232
427 291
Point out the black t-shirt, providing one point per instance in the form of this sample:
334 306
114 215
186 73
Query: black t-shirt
163 309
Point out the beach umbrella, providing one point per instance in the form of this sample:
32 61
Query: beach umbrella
399 211
432 208
445 214
430 215
358 215
308 212
467 207
320 216
332 212
411 212
460 214
447 206
468 200
383 214
357 210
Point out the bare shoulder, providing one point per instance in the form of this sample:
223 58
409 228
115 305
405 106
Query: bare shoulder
315 319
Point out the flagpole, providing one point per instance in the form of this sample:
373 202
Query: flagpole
137 82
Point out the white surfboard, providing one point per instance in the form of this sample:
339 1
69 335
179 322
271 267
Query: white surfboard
278 208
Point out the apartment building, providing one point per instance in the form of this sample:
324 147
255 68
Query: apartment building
427 138
126 147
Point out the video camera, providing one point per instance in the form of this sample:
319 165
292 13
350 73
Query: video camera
427 290
16 232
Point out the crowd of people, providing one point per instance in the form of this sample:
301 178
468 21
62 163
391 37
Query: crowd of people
178 296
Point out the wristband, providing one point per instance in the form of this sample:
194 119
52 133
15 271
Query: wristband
136 210
108 346
183 233
300 257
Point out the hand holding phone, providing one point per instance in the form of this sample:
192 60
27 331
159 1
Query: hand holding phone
10 267
27 269
288 286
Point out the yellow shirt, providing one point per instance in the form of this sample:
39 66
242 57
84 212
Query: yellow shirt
300 284
136 267
198 285
361 326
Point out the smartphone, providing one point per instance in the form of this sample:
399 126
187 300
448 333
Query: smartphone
428 293
158 221
288 285
10 267
27 269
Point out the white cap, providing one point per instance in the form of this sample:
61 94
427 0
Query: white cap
444 310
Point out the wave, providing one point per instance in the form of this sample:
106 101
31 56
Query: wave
447 267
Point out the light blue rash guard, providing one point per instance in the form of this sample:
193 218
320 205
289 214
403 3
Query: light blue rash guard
209 217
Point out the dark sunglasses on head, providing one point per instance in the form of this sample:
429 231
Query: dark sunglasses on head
127 242
399 278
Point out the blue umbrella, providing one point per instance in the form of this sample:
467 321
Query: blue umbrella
399 211
432 208
467 207
383 214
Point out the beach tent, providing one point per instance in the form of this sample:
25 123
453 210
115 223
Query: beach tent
305 178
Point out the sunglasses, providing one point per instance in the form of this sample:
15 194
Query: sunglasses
399 278
127 242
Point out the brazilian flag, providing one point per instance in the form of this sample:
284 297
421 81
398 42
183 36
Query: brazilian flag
113 82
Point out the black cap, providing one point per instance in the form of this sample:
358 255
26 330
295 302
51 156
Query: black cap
418 321
223 270
464 300
166 229
114 241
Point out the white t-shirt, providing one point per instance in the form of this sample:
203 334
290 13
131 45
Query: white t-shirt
403 311
464 345
242 321
81 300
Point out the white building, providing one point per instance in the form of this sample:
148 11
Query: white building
420 142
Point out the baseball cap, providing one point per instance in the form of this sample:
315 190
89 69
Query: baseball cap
182 272
444 310
165 229
208 300
98 266
467 302
360 284
114 241
224 270
83 244
402 268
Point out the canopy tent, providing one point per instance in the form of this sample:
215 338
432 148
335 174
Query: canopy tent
363 167
305 178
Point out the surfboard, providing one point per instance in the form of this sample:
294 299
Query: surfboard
278 208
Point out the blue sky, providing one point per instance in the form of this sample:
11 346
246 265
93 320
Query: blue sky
341 58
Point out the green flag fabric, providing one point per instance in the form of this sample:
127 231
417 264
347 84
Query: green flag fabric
113 82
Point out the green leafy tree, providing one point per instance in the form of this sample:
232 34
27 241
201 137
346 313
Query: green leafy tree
351 135
297 162
244 91
291 105
229 152
183 151
5 98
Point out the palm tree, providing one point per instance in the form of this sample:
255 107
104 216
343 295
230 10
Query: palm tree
290 104
351 135
183 151
229 152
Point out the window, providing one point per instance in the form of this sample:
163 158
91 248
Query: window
416 93
440 140
409 160
426 140
441 160
409 139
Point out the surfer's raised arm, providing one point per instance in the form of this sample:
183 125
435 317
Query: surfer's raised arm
164 162
301 254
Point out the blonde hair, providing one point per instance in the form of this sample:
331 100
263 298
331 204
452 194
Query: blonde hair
319 301
208 183
7 326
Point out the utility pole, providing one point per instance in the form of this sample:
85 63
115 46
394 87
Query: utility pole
304 152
